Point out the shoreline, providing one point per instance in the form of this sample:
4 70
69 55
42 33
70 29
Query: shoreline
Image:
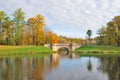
23 50
31 50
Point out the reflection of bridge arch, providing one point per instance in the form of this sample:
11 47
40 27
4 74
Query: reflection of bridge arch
55 47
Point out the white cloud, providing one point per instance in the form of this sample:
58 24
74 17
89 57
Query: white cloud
68 16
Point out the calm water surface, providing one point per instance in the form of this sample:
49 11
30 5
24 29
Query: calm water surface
56 67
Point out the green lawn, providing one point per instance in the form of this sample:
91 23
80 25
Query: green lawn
18 50
99 49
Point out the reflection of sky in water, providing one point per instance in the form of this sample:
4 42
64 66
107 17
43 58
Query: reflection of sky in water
76 69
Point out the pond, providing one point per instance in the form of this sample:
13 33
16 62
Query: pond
57 67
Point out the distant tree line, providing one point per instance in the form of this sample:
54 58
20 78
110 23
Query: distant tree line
67 40
110 34
17 31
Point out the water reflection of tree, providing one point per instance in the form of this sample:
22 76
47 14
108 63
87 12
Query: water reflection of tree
10 71
25 68
89 65
111 65
53 62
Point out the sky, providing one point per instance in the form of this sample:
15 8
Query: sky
71 18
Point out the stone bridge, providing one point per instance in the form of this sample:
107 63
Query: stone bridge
56 47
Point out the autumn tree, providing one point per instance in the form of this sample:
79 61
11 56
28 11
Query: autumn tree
32 30
18 19
24 35
2 16
116 21
101 32
51 37
40 24
36 29
17 31
63 40
48 36
112 32
8 30
55 38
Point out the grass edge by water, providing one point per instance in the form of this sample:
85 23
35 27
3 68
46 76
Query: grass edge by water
23 50
98 51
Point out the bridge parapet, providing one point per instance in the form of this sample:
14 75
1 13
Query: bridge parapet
47 45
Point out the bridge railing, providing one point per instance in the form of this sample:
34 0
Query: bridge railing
47 45
50 45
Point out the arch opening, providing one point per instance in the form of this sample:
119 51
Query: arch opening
63 51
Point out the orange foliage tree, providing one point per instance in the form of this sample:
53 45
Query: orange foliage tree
55 38
52 37
20 32
36 28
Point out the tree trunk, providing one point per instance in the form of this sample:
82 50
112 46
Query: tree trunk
118 42
33 40
89 40
7 41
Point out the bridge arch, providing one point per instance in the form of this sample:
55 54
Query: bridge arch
63 51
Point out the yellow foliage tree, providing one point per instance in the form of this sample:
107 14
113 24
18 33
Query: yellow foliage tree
37 25
55 38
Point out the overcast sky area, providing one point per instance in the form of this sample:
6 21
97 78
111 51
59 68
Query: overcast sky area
70 18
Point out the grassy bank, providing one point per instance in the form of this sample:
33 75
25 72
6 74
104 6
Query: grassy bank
98 50
19 50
